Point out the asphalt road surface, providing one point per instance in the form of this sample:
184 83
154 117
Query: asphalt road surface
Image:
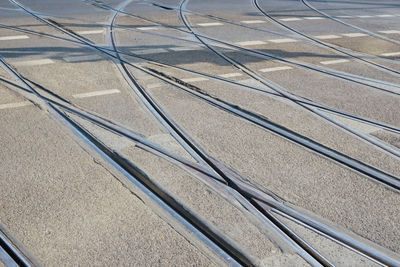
200 133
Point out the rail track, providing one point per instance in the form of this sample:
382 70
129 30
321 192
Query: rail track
11 253
325 44
306 3
339 74
304 37
259 203
216 78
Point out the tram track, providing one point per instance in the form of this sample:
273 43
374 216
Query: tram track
303 249
324 44
280 91
227 251
219 79
307 4
372 254
278 207
198 158
311 260
307 38
330 119
338 74
11 254
114 43
391 181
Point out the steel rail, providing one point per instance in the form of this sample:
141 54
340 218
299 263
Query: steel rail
221 79
372 172
306 3
284 93
324 70
324 44
308 39
10 254
173 126
252 189
182 215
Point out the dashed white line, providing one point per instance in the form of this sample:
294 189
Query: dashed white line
209 24
391 54
385 16
248 43
90 32
35 62
82 58
390 31
355 125
184 48
326 37
314 18
290 19
96 93
148 28
275 69
199 79
14 37
150 51
344 17
153 85
355 34
256 84
230 75
15 105
336 61
252 21
364 16
283 40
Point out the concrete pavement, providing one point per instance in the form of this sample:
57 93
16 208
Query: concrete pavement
67 205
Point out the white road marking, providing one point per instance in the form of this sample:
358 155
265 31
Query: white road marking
276 69
290 19
230 75
82 58
365 16
166 141
283 40
336 61
15 105
184 48
247 43
384 16
355 125
90 32
325 37
391 54
383 86
256 84
390 31
198 79
14 37
153 85
150 51
209 24
148 28
96 93
344 17
354 34
35 62
252 21
314 18
226 47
